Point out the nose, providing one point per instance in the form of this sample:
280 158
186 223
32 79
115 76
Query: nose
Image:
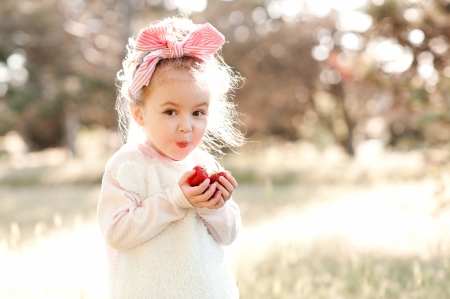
185 125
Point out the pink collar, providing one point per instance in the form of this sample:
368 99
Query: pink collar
150 152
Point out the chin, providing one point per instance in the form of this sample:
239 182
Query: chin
181 156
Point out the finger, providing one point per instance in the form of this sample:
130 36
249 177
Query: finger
208 193
200 189
204 197
186 176
220 203
225 193
194 192
214 200
227 184
231 179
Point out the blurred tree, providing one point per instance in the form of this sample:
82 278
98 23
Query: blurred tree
47 82
342 71
345 71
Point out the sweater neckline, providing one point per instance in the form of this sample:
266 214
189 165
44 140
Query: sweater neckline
150 152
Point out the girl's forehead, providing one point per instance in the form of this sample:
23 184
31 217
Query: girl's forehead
162 76
178 87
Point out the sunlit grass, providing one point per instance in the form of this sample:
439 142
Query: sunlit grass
342 241
67 264
297 242
316 224
333 270
27 211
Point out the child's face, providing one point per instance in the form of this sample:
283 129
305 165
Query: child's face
174 116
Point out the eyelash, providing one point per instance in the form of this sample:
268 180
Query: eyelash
170 112
173 112
202 112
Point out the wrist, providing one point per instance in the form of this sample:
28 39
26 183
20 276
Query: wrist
207 211
180 198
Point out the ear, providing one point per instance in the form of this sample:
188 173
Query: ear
137 113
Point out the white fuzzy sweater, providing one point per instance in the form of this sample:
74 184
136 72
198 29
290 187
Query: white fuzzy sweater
158 244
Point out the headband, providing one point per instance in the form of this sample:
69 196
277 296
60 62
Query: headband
161 42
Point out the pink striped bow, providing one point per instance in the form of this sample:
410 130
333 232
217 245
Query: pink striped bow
161 42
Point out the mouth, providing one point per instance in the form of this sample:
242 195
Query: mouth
182 144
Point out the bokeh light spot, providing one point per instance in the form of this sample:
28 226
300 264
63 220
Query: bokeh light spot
236 17
20 38
16 61
277 50
19 77
101 41
354 21
334 76
274 9
241 33
447 71
320 53
328 42
438 45
291 8
5 75
170 5
259 15
352 41
189 6
425 57
413 15
416 37
320 33
310 117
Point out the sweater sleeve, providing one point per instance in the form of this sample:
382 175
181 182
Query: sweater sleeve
127 220
223 223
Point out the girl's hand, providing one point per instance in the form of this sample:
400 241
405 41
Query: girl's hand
203 195
226 186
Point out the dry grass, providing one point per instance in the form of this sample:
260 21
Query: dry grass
344 242
316 225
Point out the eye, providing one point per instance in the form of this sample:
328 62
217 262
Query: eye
198 113
170 112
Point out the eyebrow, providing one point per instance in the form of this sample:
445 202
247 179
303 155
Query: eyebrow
177 105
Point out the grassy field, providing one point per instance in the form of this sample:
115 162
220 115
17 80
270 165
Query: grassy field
346 242
316 224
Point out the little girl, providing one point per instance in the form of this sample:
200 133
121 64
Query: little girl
163 236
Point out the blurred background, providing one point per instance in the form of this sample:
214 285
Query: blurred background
344 182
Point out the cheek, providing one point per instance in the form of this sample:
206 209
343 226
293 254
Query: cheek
201 126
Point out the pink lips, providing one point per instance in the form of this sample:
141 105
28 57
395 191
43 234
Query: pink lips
182 144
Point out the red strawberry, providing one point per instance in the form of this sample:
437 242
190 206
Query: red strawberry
198 177
215 176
